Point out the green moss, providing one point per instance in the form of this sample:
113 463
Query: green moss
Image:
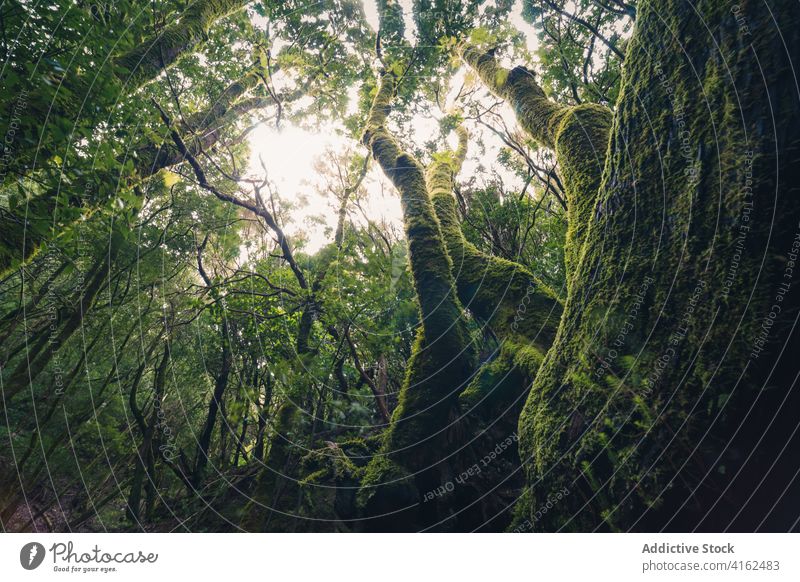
578 136
147 60
327 489
380 472
442 359
360 450
329 465
386 489
581 144
500 383
668 210
501 293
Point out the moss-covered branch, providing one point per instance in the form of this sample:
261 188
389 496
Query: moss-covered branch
577 134
22 231
503 294
522 313
441 363
430 264
145 61
537 114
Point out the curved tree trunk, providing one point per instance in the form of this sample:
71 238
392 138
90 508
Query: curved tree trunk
577 134
420 439
504 295
667 395
146 61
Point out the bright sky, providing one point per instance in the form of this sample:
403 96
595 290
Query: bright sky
290 153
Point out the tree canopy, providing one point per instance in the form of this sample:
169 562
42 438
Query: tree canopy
398 266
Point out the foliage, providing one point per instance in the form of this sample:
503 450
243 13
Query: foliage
180 349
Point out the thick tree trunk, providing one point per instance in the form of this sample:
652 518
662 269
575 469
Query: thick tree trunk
668 397
413 459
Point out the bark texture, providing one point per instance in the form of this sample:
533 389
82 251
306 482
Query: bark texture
667 395
147 60
577 134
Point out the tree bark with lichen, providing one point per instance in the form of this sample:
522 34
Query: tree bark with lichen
668 389
577 134
420 439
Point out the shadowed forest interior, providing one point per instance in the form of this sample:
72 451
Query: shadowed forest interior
417 265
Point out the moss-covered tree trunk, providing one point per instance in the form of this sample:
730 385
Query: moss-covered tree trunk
578 135
152 56
43 217
668 399
520 312
416 454
504 295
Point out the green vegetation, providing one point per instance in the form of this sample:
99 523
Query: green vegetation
579 317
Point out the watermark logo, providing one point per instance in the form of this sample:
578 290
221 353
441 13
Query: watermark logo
31 555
